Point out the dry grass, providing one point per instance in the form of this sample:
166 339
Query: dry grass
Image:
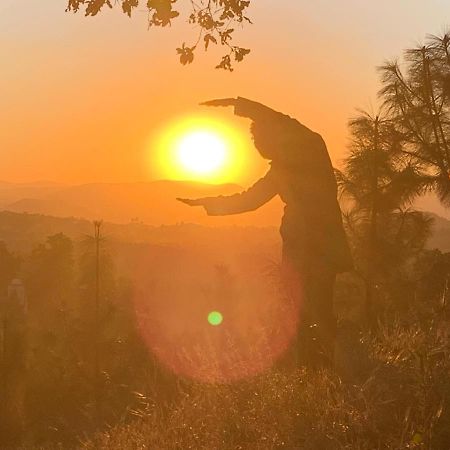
402 402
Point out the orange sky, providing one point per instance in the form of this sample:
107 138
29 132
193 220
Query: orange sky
82 97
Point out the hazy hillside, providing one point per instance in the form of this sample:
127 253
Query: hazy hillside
23 231
13 192
152 203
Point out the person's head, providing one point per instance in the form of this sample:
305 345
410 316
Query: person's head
267 138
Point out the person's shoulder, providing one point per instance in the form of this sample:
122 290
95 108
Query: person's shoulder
296 126
305 136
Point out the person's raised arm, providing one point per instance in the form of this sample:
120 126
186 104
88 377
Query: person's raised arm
248 108
254 197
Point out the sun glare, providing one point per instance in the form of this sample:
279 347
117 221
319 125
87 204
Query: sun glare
202 152
200 149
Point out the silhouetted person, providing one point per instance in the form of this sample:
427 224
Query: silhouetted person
315 248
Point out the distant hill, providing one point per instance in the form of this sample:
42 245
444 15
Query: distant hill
22 231
12 192
143 207
148 202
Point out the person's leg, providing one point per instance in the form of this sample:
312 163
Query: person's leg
293 296
318 330
310 286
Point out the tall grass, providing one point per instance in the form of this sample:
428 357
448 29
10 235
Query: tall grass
401 401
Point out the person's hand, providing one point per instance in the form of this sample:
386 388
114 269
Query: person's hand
221 102
244 107
191 202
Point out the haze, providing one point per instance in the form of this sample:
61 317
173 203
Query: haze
83 98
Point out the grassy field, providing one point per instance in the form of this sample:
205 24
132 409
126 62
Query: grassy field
396 398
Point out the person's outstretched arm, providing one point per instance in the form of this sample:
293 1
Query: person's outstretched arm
256 111
248 108
254 197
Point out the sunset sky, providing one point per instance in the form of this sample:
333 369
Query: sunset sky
85 99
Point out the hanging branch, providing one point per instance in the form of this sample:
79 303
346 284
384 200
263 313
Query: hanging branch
215 20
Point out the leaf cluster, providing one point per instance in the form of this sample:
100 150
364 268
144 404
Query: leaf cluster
378 184
417 97
215 21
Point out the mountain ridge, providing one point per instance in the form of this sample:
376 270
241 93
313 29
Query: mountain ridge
152 202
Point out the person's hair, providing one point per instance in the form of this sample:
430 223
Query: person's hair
268 137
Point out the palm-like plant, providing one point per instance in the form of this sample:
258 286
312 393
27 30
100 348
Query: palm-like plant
418 100
377 185
94 257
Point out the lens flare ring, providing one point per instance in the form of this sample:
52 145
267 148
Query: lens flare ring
189 339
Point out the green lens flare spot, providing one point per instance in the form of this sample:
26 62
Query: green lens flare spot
215 318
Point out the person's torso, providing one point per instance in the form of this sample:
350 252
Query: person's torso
312 221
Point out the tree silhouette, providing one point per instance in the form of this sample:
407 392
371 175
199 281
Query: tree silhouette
11 347
49 274
214 19
95 244
378 185
418 98
9 265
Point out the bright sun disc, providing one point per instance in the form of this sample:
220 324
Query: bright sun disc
199 148
201 152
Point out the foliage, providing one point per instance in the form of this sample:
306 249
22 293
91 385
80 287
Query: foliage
57 381
50 268
214 19
375 174
377 185
418 99
9 265
390 406
403 403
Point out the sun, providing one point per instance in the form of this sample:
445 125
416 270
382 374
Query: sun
200 148
202 152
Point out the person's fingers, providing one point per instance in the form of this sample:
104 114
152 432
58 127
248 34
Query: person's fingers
184 200
189 201
220 102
